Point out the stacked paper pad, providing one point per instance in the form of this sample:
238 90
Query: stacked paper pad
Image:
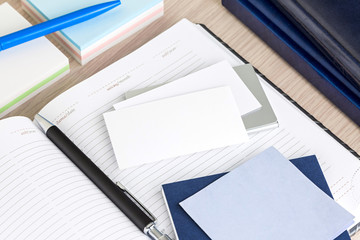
27 68
89 39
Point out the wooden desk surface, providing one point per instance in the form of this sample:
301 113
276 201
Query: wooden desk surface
220 21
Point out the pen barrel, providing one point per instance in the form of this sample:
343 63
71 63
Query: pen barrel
55 24
99 178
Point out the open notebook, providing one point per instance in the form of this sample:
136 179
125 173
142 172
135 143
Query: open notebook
54 189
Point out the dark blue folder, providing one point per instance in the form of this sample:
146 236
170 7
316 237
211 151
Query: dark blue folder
263 18
334 28
187 229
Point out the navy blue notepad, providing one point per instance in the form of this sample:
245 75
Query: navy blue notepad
263 18
176 192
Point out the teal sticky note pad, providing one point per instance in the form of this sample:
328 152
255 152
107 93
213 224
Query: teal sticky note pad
86 34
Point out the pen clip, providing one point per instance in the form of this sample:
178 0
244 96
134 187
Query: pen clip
136 201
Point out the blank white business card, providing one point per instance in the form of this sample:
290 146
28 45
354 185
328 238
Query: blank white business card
175 126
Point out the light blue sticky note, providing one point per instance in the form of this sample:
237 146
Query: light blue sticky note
266 198
87 33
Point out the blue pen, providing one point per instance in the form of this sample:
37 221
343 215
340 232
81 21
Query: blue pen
55 24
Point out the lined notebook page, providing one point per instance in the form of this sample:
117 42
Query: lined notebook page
45 196
182 49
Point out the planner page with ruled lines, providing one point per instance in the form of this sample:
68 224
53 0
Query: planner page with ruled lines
43 195
183 49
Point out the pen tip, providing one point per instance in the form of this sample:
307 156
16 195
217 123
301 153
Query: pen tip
43 122
116 2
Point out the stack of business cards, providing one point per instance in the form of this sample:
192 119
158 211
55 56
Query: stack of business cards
27 68
175 126
199 112
89 39
258 120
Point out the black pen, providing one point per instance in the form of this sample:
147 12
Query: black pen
117 193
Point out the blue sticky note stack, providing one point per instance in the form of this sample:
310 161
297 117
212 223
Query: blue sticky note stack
185 228
86 40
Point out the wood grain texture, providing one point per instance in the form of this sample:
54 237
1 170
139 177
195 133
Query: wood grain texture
239 37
